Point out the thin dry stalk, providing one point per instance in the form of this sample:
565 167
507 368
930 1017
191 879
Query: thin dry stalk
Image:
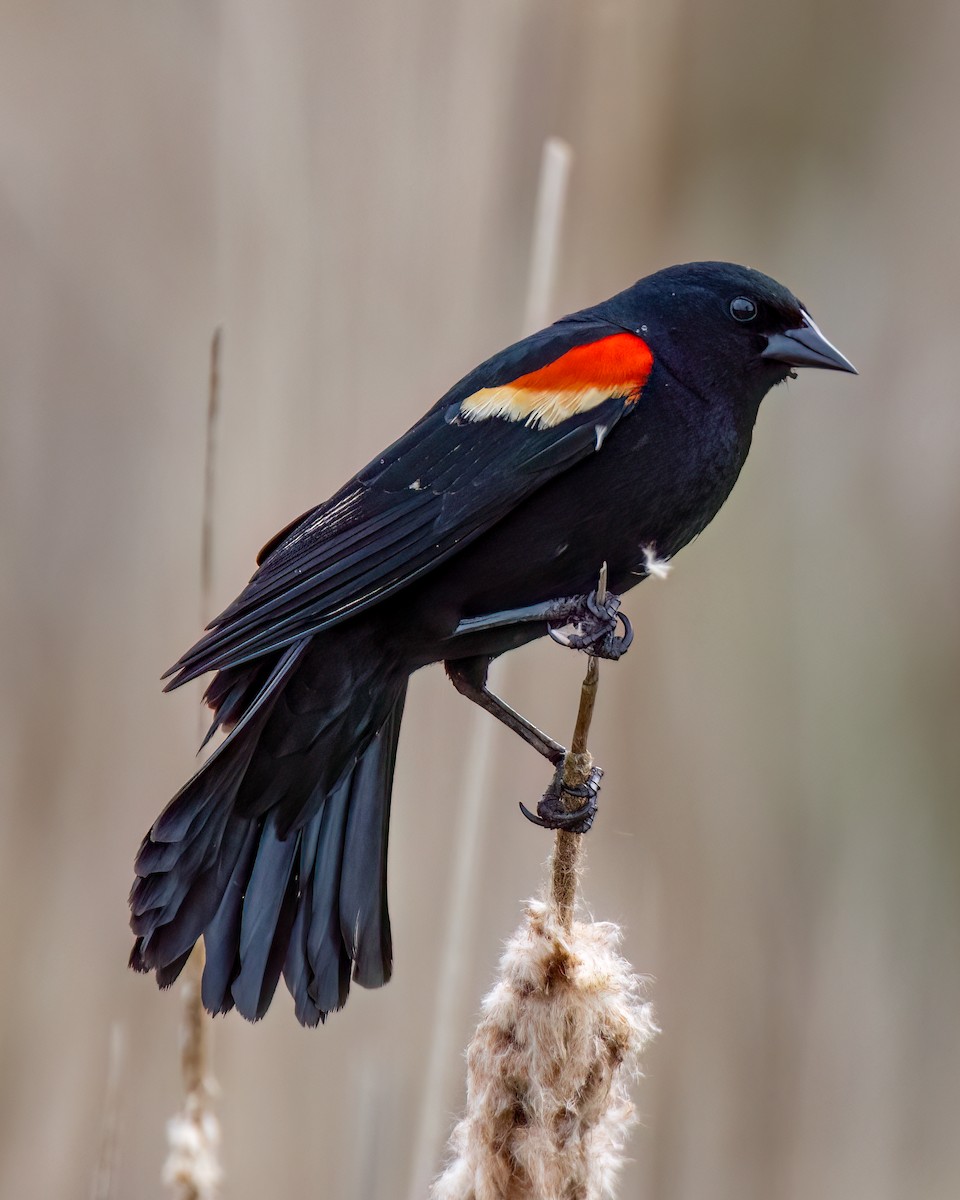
558 1044
103 1179
209 477
193 1168
547 224
568 847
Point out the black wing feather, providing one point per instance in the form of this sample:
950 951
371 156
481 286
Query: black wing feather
437 488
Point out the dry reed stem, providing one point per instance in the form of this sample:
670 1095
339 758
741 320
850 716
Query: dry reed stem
103 1179
193 1168
559 1041
209 477
568 847
547 223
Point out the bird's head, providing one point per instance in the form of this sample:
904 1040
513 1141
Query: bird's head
723 329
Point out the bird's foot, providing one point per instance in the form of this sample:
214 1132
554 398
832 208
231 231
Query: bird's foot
552 812
589 624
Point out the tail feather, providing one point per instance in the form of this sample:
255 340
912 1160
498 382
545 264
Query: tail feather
168 975
328 961
364 919
195 806
164 888
271 895
199 798
296 970
266 904
212 789
221 938
342 921
195 905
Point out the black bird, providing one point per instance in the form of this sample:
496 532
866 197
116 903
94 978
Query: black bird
612 436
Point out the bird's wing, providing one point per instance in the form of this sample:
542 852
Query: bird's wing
512 424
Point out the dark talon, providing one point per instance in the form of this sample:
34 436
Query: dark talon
532 817
551 813
622 644
578 821
594 626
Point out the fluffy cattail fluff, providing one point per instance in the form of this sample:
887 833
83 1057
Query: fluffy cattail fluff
559 1040
192 1168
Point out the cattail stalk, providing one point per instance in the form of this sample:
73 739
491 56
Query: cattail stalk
558 1044
568 847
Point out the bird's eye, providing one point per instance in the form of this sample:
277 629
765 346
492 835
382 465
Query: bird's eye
743 309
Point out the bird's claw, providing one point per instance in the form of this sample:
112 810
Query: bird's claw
593 625
551 812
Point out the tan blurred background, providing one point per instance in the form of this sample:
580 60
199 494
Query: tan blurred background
349 190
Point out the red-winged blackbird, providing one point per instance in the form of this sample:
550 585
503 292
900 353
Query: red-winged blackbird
612 436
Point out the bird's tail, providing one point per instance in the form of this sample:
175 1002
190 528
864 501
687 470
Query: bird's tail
272 892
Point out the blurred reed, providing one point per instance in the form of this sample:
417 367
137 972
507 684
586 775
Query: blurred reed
193 1168
104 1176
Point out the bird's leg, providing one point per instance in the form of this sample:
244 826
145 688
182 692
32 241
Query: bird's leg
594 623
469 677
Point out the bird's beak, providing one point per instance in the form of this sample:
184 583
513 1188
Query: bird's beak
806 346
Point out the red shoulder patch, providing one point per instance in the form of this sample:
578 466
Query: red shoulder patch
620 360
577 381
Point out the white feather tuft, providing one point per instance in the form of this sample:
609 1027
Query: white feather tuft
660 568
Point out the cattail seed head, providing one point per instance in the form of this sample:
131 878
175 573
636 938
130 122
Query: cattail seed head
559 1040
